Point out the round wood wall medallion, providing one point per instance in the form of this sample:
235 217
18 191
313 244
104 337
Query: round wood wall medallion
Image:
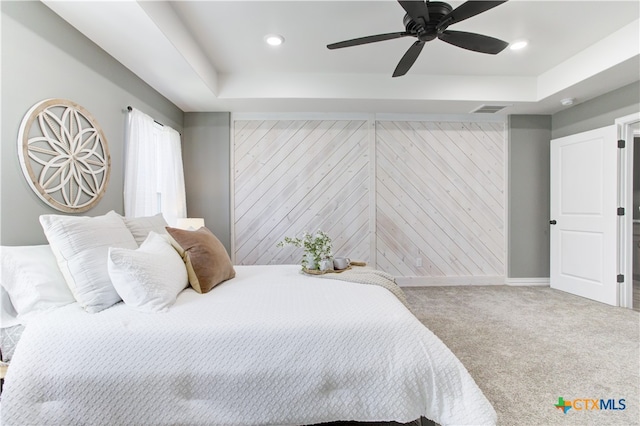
64 155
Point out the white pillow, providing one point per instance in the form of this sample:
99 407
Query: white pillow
8 314
150 278
141 226
33 281
81 245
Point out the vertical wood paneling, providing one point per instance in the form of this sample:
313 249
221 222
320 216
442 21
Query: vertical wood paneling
440 198
295 176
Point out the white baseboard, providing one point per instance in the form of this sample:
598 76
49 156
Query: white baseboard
469 280
527 281
448 281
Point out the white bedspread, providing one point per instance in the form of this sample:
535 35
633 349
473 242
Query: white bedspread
271 346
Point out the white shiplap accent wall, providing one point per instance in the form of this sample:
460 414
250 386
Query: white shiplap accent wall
296 175
440 198
396 190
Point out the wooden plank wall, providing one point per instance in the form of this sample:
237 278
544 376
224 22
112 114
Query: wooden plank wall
439 193
440 198
295 176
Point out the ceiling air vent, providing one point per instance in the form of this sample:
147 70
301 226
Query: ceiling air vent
488 109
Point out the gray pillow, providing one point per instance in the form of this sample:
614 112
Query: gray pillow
141 226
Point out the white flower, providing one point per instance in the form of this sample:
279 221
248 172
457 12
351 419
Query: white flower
316 247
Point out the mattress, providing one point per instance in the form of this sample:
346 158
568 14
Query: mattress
271 346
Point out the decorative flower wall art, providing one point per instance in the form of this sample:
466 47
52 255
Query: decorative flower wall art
64 155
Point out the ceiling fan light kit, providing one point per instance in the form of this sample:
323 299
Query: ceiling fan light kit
426 21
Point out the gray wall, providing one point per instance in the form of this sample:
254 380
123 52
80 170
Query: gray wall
636 178
44 57
206 156
528 204
598 112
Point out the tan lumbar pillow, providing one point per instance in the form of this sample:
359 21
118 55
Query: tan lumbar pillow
208 263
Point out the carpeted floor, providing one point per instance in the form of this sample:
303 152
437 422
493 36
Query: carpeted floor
528 346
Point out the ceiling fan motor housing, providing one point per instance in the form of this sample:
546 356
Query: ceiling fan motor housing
429 31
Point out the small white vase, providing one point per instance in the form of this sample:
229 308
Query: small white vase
311 263
326 264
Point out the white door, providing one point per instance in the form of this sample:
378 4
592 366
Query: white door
584 197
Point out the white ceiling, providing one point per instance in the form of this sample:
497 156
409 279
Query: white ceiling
211 56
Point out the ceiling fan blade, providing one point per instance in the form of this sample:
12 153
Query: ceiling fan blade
467 10
472 41
416 9
408 59
367 39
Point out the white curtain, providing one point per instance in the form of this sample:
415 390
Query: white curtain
153 174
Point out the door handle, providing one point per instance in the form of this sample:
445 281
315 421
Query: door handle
552 222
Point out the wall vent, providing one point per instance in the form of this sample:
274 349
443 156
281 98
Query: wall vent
488 109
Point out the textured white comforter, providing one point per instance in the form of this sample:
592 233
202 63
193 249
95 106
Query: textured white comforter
271 346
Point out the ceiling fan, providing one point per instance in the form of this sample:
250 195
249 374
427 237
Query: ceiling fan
426 21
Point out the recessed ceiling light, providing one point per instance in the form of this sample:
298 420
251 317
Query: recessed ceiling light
517 45
567 101
274 39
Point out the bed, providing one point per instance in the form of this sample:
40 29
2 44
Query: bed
269 346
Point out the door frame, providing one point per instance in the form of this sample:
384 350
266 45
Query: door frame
626 132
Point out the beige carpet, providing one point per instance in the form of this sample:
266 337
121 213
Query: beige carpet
528 346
